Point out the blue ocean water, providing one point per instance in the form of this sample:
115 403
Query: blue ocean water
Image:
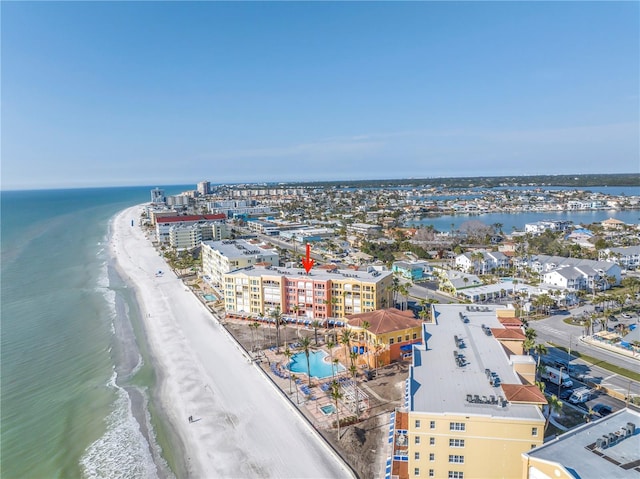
63 413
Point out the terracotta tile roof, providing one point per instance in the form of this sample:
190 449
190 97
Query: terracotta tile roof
524 394
176 219
508 333
385 320
328 267
510 322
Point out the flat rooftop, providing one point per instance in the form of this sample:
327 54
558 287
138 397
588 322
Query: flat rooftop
440 384
317 274
240 248
576 449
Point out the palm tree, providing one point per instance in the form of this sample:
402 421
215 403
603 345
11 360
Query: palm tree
330 346
276 314
530 340
254 333
316 324
554 405
365 337
336 395
305 344
354 373
345 338
540 350
353 355
288 354
377 348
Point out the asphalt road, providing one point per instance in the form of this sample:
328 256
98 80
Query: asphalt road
555 330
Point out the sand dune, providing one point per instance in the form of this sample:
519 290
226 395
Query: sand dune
243 426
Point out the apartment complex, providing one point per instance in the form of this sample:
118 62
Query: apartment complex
471 406
165 223
321 294
189 237
573 274
608 447
220 257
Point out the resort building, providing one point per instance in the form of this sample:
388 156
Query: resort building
321 294
471 406
189 237
165 223
220 257
608 447
388 336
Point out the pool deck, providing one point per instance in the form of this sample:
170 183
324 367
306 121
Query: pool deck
309 407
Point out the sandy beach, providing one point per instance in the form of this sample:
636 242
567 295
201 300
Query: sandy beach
243 427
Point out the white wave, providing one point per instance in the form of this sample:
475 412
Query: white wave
122 452
137 367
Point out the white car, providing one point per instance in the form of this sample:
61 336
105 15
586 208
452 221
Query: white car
626 315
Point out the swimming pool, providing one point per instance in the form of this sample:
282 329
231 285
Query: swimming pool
320 368
328 409
210 297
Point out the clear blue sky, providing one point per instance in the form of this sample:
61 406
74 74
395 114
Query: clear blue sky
121 93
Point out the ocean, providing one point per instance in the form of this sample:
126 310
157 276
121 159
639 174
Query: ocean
74 381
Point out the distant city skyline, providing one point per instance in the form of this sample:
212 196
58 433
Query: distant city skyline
143 93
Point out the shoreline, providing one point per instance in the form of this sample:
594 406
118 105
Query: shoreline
242 426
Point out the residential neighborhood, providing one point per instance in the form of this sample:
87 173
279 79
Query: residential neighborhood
384 297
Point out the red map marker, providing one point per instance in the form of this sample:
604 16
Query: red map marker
308 262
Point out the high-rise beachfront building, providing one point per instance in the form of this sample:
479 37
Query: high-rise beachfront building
472 407
220 257
324 293
157 196
203 188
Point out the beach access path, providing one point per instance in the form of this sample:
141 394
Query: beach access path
242 426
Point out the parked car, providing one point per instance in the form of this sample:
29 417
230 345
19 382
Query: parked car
566 393
613 319
626 315
602 410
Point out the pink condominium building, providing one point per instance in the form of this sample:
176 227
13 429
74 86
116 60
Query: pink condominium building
323 293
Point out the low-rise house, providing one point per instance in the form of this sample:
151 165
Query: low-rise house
411 270
628 257
482 261
574 274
